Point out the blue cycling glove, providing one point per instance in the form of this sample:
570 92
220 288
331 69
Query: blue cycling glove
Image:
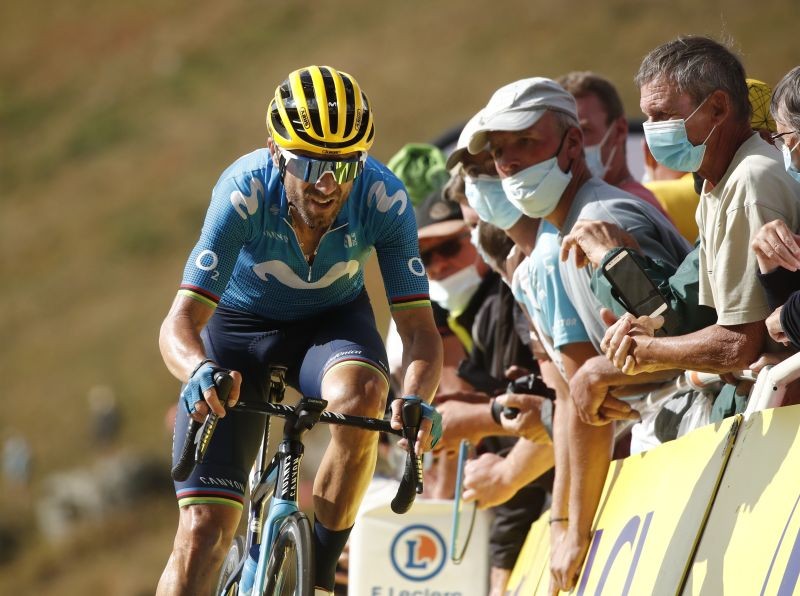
429 412
202 379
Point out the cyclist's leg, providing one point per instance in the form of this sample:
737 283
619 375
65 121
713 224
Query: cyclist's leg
346 366
211 498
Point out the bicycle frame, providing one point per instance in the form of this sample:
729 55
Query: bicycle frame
273 487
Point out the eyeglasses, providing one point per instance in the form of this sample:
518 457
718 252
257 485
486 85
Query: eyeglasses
446 250
777 138
309 169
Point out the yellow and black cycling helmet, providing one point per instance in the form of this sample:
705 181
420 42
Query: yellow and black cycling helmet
322 110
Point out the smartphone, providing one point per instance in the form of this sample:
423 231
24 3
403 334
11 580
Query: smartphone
633 288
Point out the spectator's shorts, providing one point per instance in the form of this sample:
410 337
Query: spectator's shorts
241 341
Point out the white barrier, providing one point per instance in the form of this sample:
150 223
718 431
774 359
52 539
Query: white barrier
408 555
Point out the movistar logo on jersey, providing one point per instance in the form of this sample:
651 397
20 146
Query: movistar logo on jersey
383 201
284 274
247 205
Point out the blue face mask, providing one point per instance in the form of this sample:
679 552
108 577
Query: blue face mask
791 169
670 146
486 196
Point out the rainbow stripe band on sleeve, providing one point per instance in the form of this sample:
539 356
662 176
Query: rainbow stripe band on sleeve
413 301
199 294
209 496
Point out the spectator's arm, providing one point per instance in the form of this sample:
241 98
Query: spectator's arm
463 420
582 454
631 346
492 480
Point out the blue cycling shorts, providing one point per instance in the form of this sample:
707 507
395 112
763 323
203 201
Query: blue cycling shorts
250 344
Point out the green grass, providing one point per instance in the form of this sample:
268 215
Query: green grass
117 118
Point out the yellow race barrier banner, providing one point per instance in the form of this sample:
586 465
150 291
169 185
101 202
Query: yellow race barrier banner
647 527
751 542
652 511
533 577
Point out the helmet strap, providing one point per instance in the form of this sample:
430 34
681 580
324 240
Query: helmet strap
281 167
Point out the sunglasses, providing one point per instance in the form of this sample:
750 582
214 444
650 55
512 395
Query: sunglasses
447 249
309 169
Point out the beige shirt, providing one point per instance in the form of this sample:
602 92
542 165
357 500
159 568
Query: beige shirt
754 190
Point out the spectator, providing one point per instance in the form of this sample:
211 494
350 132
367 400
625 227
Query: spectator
693 91
522 488
605 132
775 245
531 129
599 242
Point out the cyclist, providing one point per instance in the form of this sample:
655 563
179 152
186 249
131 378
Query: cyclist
277 277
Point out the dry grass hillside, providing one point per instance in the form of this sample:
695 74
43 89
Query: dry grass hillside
117 117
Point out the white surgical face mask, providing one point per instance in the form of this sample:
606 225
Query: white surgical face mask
454 292
474 240
486 196
536 190
594 157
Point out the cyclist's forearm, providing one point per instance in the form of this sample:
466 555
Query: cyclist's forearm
422 352
179 339
424 358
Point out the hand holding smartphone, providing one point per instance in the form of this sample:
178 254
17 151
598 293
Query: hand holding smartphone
633 288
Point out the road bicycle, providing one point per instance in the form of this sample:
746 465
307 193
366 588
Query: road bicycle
276 555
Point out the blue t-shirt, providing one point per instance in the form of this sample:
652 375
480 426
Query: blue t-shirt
248 257
545 297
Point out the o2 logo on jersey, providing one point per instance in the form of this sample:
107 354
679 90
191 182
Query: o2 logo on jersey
416 267
208 260
418 552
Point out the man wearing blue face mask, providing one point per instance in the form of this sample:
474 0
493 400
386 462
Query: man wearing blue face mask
694 94
699 120
531 129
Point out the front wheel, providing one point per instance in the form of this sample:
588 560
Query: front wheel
230 574
290 569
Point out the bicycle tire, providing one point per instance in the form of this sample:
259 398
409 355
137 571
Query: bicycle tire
290 569
232 565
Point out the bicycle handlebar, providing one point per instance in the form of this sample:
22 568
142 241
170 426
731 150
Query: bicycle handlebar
198 437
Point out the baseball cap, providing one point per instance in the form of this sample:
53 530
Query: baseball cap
463 140
438 217
519 105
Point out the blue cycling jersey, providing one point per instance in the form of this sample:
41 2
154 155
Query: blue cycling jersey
248 257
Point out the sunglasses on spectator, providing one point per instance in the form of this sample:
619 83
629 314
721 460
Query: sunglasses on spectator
446 250
777 138
310 169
